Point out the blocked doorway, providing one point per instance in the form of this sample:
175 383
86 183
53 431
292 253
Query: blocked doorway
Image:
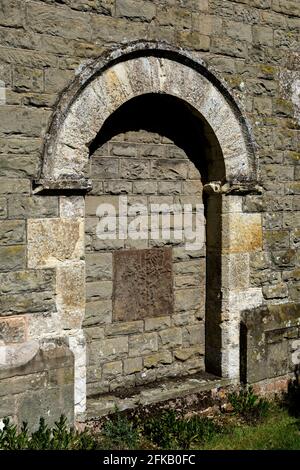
146 293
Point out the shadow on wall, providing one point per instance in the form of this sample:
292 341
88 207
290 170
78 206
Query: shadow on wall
176 120
172 118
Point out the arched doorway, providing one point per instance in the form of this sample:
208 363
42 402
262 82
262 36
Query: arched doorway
146 295
213 123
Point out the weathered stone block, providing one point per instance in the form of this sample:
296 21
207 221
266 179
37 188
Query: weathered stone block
118 187
21 384
153 360
70 294
263 36
20 120
143 344
183 354
33 207
92 203
52 241
14 186
236 271
27 303
171 337
188 299
99 290
28 79
140 10
27 281
104 168
57 79
111 370
169 169
12 13
71 207
241 233
174 16
14 166
188 281
124 328
98 266
13 330
134 168
158 323
196 334
222 45
98 313
12 257
169 187
3 208
108 349
63 22
276 239
145 187
278 291
12 232
133 364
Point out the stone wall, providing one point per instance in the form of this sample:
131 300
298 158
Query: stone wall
134 348
253 45
36 381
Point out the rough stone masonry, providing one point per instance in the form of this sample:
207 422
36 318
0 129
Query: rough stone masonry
164 102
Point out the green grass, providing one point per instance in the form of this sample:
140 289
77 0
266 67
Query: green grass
277 431
251 424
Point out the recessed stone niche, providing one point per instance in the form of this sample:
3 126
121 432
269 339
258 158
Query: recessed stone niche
142 283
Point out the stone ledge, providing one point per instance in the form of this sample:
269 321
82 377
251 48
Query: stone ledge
240 189
61 185
166 390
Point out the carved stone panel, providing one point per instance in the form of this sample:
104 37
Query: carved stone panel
143 284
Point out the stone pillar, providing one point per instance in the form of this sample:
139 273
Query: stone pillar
58 243
241 235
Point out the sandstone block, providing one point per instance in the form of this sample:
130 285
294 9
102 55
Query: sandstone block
124 328
183 354
13 330
12 232
12 257
241 233
134 169
98 266
169 169
278 291
3 208
133 364
171 337
70 294
140 10
187 300
143 344
108 349
28 79
14 186
27 281
111 370
71 207
98 313
105 168
52 241
162 357
99 290
33 207
157 323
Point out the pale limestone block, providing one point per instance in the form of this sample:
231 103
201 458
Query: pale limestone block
53 241
71 207
70 293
